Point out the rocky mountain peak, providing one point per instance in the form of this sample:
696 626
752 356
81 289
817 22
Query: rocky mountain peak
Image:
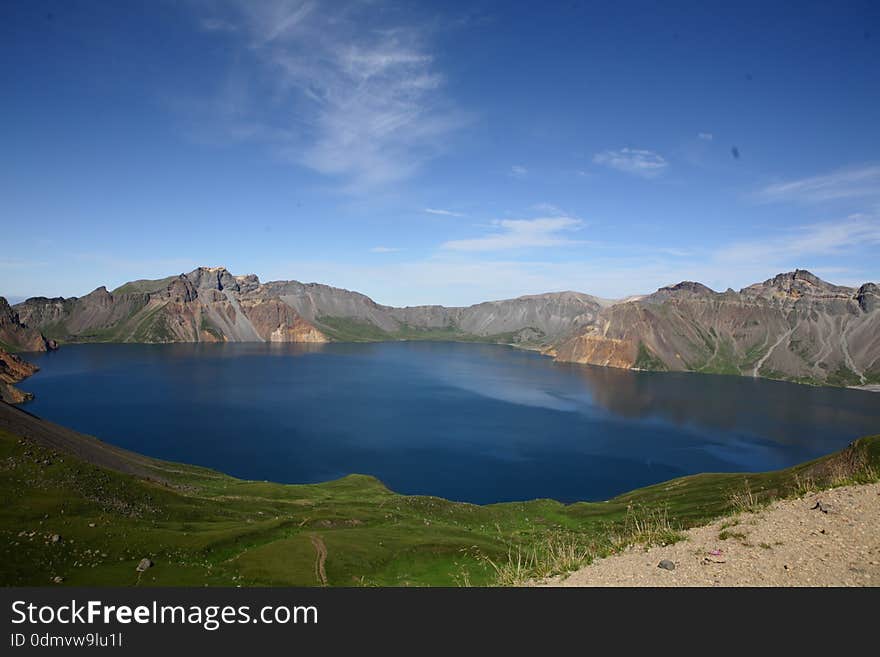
800 277
213 278
868 297
99 296
681 290
248 282
795 284
689 286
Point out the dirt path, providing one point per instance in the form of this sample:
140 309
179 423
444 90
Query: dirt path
320 558
790 543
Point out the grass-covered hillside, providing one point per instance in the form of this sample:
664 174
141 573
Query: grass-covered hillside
344 329
74 510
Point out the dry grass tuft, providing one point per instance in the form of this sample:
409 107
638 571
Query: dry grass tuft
556 554
648 526
744 500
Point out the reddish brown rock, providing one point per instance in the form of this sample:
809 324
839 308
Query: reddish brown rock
596 349
275 321
12 370
18 336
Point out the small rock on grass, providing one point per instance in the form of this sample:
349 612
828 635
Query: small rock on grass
144 565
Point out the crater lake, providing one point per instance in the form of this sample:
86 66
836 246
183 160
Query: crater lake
468 422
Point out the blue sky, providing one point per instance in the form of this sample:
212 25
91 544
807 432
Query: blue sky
435 152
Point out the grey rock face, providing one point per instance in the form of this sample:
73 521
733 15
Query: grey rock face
213 278
794 326
553 315
868 297
683 289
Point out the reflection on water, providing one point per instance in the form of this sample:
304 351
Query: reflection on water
473 422
784 411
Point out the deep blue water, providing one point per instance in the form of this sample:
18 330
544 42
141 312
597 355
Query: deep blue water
480 423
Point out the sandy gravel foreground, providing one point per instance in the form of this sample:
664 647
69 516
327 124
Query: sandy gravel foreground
788 544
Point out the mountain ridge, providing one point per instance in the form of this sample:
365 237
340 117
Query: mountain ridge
792 326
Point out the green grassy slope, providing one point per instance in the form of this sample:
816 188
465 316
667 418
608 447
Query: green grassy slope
111 508
345 329
144 286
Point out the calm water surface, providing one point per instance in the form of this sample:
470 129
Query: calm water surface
480 423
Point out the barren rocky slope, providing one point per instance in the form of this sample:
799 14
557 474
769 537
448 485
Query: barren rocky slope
828 538
12 370
206 305
794 326
18 336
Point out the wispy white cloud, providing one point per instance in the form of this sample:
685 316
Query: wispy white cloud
362 105
518 171
857 182
705 136
647 164
521 234
385 249
819 239
549 209
445 213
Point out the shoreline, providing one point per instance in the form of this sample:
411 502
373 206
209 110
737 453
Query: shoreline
870 387
547 351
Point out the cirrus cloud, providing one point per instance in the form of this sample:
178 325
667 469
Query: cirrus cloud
841 184
444 213
639 162
811 240
363 106
521 234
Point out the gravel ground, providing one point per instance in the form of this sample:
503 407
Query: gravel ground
787 544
